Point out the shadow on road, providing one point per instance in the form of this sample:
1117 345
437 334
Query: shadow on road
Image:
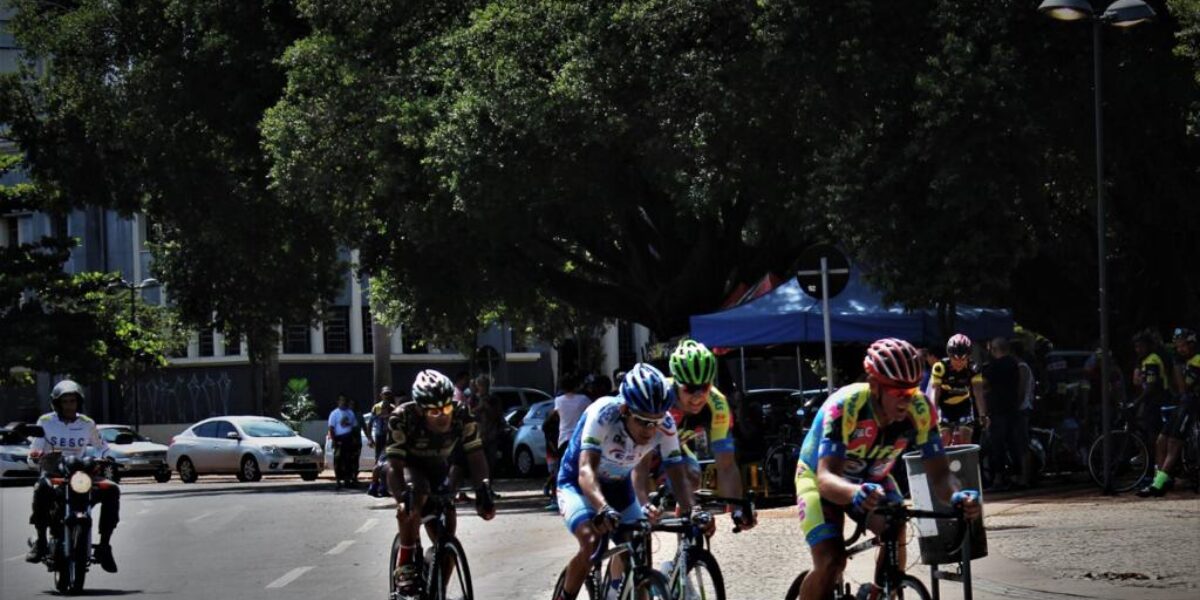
99 593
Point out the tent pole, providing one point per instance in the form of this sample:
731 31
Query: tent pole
799 369
742 352
825 315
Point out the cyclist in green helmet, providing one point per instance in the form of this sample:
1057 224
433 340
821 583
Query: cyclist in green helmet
704 419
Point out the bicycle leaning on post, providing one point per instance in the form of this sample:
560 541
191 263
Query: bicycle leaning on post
1131 458
891 582
694 573
444 574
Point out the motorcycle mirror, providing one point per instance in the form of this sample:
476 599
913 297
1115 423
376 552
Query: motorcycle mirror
33 431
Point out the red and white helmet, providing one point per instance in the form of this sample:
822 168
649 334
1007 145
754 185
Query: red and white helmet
893 362
958 345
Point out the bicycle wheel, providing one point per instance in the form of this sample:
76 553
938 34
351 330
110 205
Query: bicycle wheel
793 592
651 585
391 571
702 580
779 468
588 585
1130 461
450 577
911 588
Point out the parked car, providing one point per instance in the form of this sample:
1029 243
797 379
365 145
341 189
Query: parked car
529 443
514 403
366 459
134 455
248 447
14 456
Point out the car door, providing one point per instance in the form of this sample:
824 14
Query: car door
200 448
535 420
225 452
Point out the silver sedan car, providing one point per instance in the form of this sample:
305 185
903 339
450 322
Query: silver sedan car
248 447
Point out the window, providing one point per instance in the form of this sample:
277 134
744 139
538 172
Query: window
206 343
265 428
110 434
58 226
296 339
206 430
337 330
10 233
626 354
540 411
368 331
223 429
233 346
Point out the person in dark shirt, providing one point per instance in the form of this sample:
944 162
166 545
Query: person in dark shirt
1002 378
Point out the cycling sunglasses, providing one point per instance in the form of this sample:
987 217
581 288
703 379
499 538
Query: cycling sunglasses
696 389
439 410
648 423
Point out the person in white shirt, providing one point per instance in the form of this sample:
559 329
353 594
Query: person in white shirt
569 406
68 432
344 431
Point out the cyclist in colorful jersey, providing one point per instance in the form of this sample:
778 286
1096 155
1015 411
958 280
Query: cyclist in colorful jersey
1170 442
704 419
596 487
1151 380
424 433
953 383
847 456
69 432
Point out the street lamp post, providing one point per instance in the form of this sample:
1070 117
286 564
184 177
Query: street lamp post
1122 13
134 290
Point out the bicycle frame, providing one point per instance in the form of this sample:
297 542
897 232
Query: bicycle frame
635 547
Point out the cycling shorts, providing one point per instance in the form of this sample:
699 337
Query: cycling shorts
576 510
956 415
1184 416
425 475
822 520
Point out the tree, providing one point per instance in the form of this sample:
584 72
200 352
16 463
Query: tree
155 106
55 322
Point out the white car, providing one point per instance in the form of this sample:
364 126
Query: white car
133 454
366 458
248 447
14 456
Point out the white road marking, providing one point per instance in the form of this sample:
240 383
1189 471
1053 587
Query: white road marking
367 526
199 517
289 577
340 548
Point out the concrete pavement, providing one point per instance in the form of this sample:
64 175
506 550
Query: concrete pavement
288 539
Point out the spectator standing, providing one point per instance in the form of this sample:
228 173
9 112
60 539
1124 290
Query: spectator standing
345 432
379 437
1026 387
462 389
550 431
1152 385
929 358
1002 384
491 420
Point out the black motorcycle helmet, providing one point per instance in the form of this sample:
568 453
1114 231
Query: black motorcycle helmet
64 388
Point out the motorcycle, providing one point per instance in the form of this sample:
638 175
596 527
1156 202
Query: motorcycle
69 543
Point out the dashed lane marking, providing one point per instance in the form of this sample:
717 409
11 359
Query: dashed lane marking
367 526
340 548
288 577
199 517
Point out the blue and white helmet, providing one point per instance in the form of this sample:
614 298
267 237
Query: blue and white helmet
645 390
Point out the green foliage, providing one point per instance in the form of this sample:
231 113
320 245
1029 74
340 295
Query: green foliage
298 405
56 322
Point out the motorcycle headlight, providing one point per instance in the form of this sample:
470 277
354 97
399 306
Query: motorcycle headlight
81 483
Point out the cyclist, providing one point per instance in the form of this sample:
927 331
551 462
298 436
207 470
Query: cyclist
704 419
69 432
954 386
425 432
1151 380
847 456
1170 442
596 487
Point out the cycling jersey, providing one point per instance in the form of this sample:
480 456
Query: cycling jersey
412 440
71 439
708 432
954 387
1191 376
846 427
1154 380
602 429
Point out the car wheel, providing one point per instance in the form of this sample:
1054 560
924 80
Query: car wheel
524 462
186 470
163 476
111 473
249 470
306 476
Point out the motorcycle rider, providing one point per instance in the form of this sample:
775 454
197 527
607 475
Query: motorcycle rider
68 431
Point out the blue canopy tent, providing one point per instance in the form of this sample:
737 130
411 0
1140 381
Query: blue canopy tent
787 315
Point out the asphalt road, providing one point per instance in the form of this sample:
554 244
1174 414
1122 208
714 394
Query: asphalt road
280 539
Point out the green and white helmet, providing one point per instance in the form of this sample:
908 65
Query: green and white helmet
692 363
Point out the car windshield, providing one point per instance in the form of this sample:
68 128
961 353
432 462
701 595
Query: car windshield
267 429
110 434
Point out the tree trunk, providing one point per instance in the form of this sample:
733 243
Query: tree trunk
381 346
272 392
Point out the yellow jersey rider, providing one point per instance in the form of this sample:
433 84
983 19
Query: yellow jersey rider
954 388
